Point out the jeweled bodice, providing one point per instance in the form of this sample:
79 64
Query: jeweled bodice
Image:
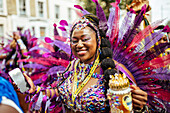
91 100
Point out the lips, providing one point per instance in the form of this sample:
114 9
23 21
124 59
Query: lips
81 52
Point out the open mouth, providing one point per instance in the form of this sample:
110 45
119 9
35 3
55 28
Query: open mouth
81 52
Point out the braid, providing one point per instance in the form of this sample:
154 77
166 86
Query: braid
107 64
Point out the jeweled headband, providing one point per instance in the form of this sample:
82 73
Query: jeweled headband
83 22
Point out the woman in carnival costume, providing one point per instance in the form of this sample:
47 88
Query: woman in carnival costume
94 82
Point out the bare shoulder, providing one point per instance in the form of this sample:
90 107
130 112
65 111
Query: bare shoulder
125 69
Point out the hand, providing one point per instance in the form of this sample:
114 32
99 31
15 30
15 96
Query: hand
136 5
29 80
139 97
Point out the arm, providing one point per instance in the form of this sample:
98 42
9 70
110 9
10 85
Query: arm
139 97
36 89
19 41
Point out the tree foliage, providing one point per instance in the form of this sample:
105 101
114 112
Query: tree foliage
105 4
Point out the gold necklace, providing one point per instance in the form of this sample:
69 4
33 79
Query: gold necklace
76 90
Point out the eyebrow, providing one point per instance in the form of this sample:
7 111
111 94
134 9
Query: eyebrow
80 36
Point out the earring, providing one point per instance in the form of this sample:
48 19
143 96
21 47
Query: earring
100 51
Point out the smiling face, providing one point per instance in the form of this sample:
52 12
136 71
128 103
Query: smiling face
84 44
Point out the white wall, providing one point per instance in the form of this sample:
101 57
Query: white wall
160 10
63 15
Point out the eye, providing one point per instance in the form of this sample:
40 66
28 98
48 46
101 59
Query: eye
74 41
86 39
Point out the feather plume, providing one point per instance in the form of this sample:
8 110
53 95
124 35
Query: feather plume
63 39
156 51
62 28
55 69
83 10
157 105
39 48
130 34
46 45
110 21
160 76
158 62
63 23
101 15
55 30
48 40
126 24
166 29
115 27
63 46
35 66
144 33
39 61
148 42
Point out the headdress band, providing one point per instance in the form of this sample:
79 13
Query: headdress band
82 23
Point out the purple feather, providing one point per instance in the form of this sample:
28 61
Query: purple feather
63 23
55 69
101 15
63 46
149 41
110 21
126 24
55 30
156 51
61 55
83 10
35 66
39 48
129 35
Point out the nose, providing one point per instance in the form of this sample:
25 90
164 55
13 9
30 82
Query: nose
80 44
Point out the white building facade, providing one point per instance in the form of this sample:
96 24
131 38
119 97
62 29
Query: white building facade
160 10
36 15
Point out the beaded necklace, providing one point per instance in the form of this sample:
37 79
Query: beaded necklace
82 68
77 90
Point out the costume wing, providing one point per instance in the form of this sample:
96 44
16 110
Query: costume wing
136 50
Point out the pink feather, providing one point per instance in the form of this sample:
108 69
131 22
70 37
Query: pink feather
144 33
62 28
55 25
48 46
166 29
34 39
95 1
78 7
48 40
63 23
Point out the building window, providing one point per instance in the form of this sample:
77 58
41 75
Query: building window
1 6
57 10
33 30
1 30
42 31
40 9
69 14
22 7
